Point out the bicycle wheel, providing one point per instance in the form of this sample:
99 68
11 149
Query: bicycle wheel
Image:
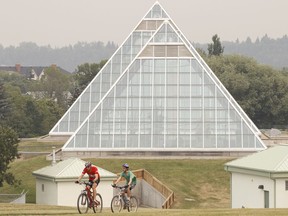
133 205
82 203
116 204
98 207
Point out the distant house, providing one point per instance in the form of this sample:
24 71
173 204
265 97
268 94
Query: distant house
55 184
260 180
31 72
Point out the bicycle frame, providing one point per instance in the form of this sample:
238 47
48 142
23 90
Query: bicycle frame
122 193
86 200
120 200
88 190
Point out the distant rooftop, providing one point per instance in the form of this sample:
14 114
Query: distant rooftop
26 70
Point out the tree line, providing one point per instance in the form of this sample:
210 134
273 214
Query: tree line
273 52
265 50
68 57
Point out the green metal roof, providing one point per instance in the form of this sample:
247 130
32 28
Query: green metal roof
273 160
69 169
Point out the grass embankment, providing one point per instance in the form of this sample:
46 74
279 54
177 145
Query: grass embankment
22 168
197 183
35 146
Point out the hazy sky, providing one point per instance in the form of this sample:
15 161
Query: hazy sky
63 22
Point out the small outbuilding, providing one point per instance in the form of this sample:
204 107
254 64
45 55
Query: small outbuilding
260 180
55 184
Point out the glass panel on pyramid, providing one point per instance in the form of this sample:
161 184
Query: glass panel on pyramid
157 93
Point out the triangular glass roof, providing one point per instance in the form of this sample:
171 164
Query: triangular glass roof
157 93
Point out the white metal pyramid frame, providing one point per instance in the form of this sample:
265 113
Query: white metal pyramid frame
157 93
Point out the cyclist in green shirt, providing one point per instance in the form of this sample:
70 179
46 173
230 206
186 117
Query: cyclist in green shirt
130 179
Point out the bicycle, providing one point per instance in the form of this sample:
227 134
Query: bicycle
85 200
120 200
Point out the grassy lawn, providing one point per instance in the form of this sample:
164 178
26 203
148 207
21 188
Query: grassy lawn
32 209
35 146
22 169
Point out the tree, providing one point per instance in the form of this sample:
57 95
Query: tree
8 152
4 103
18 120
201 52
260 90
24 107
34 116
84 75
51 113
56 86
215 48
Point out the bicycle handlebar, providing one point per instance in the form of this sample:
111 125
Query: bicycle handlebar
120 187
82 182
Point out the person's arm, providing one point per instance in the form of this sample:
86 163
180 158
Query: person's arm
129 183
131 178
79 179
118 180
96 177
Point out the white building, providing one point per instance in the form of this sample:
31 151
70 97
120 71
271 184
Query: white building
55 184
260 180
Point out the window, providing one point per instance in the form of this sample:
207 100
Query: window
42 187
286 185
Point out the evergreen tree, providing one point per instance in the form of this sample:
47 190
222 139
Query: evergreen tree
8 152
4 103
215 48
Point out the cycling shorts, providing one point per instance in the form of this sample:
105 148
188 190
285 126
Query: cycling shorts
92 181
132 186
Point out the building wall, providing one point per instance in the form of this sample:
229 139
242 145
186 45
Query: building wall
21 199
146 194
245 192
68 192
281 194
46 192
151 197
106 191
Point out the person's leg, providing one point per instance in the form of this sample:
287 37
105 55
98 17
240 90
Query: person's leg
128 193
94 190
88 187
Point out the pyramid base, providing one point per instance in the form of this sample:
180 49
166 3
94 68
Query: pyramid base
152 154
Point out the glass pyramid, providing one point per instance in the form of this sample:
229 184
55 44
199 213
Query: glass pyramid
157 93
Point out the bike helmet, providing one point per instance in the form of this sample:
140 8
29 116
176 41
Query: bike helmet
125 165
88 164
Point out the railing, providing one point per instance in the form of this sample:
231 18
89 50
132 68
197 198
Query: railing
158 185
13 198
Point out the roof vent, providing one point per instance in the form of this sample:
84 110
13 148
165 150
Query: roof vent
53 157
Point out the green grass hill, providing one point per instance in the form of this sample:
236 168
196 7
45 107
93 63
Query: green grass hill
198 184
